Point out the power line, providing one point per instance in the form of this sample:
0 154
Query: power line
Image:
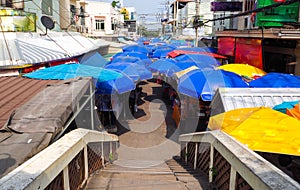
262 9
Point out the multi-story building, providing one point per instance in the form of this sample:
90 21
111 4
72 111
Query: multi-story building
266 36
103 19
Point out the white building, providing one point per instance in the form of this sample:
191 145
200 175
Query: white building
103 19
189 11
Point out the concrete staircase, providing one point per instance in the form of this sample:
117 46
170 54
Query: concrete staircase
169 175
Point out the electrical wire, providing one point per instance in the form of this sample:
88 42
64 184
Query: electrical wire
262 9
5 40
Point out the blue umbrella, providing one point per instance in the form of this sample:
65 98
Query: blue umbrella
136 48
92 59
125 59
276 80
203 84
106 80
199 59
161 53
134 71
201 64
141 56
163 66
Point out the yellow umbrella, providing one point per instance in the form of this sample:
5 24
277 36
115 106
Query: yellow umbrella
261 129
243 69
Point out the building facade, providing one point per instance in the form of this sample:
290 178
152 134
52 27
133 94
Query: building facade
103 19
268 38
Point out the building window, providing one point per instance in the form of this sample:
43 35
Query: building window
100 25
12 4
47 7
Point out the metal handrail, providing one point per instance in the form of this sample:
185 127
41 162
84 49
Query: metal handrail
39 171
254 169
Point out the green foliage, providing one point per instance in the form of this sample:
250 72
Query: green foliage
114 3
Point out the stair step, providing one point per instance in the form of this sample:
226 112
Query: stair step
140 172
133 183
104 174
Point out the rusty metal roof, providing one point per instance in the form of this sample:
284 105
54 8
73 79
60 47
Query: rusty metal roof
15 91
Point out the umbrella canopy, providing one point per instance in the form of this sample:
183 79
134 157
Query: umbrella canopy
125 59
139 55
203 83
195 49
134 71
276 80
176 53
106 81
136 48
198 58
294 112
161 53
261 129
243 69
285 105
163 65
93 59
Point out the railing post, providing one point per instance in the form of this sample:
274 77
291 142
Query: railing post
232 181
102 154
86 162
92 106
66 178
186 152
211 163
196 154
110 152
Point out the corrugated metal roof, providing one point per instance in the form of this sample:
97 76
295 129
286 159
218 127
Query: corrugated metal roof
15 91
226 99
18 49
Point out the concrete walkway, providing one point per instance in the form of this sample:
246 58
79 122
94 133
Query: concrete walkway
148 145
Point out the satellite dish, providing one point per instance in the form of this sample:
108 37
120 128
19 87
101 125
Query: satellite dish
48 22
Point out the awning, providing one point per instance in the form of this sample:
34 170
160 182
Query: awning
20 49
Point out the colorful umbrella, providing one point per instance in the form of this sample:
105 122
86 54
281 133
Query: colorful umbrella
106 81
93 59
199 59
203 83
294 112
261 129
285 105
143 57
276 80
135 48
243 69
134 71
163 65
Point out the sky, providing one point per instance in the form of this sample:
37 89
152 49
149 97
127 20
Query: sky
145 6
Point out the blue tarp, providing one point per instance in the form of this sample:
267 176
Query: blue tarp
106 81
203 84
134 71
93 59
276 80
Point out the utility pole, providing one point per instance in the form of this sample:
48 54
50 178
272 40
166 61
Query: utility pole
196 23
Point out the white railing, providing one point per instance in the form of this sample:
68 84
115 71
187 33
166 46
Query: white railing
39 171
254 169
